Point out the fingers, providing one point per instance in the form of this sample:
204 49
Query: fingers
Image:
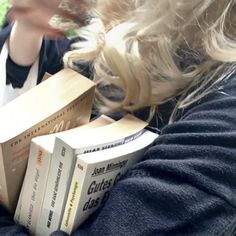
27 14
35 20
39 14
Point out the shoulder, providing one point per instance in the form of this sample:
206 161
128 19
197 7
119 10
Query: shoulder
186 180
219 102
51 54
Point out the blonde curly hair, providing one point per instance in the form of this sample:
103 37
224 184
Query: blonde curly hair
154 50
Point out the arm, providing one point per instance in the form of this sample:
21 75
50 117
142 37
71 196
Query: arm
32 22
186 183
24 43
27 41
50 59
31 19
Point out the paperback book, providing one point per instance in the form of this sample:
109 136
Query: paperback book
95 174
41 149
63 161
61 102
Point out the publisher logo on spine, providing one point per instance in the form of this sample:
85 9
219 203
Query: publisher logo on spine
40 157
63 151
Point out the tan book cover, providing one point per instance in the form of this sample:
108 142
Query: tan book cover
59 103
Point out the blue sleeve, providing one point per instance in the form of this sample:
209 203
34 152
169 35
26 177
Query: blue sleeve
8 227
51 55
185 184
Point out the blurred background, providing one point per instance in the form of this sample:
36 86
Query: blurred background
3 9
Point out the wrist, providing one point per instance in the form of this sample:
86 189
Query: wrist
26 28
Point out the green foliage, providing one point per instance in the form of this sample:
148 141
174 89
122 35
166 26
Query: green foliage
3 8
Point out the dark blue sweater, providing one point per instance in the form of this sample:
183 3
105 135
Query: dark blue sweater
185 184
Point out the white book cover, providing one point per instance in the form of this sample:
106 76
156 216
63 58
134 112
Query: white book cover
31 198
94 176
63 161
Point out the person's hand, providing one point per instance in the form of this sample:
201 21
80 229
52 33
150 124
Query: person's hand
36 14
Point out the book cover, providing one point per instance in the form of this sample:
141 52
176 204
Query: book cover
63 161
94 176
41 149
59 103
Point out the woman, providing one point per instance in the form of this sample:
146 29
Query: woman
176 57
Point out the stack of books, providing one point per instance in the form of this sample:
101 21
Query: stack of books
65 165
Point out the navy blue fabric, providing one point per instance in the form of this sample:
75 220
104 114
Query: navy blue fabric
4 34
184 186
51 55
12 70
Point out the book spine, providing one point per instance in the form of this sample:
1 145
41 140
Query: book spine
73 196
100 176
63 164
35 180
3 187
88 192
19 205
107 145
56 189
39 158
71 205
